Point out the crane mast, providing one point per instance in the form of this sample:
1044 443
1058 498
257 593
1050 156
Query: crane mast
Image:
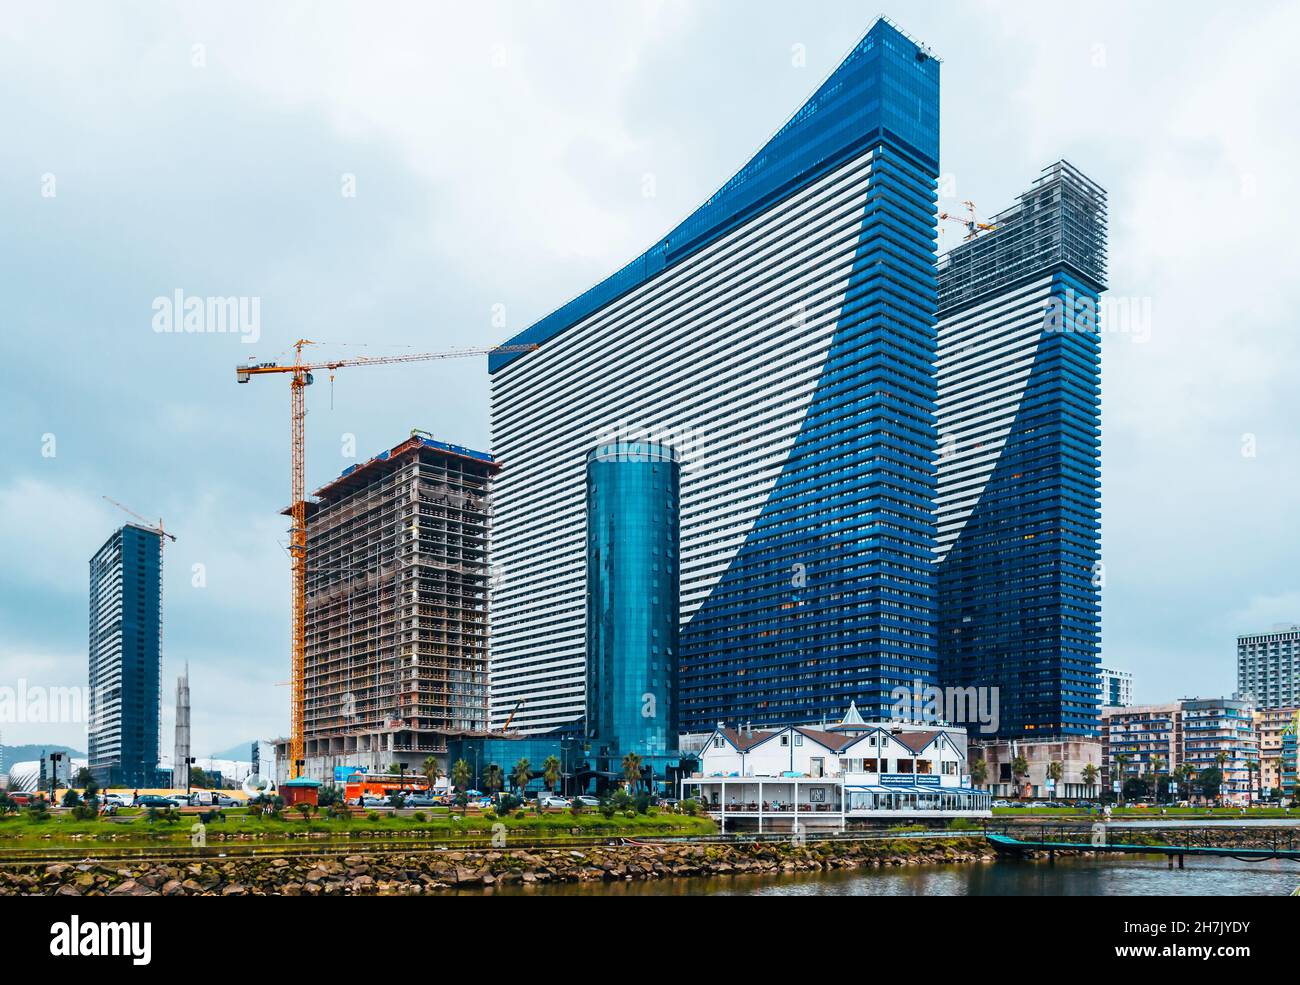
299 379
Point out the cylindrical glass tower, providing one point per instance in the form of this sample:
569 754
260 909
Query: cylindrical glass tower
632 602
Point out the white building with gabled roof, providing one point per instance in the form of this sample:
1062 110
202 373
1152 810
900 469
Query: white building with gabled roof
795 775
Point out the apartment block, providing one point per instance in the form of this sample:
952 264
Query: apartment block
1268 666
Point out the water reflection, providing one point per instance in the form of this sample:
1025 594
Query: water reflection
1068 877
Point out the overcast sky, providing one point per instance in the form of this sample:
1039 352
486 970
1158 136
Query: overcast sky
499 156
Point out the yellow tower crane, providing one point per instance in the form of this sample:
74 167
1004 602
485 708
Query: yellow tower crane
300 378
973 226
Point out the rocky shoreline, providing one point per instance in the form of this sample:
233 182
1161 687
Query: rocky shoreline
432 872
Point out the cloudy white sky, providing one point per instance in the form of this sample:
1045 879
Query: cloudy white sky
499 154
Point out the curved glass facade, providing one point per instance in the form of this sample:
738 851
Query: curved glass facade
1019 472
782 338
632 600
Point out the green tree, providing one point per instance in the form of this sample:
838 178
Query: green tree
84 777
632 770
979 772
551 772
397 769
1155 766
1221 760
493 778
1122 760
460 777
1019 770
1210 781
1055 773
432 771
1090 774
520 775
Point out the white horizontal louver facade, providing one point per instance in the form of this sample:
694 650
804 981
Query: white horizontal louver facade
986 353
718 355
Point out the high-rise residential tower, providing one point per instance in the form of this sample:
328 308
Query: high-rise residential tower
1268 666
1019 458
124 732
1116 687
782 339
397 576
633 538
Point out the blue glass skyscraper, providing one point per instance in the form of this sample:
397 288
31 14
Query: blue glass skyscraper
124 732
632 602
1019 461
782 338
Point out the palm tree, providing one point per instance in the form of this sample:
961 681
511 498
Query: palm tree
1155 765
1221 758
1184 774
551 772
493 778
1055 773
460 775
1090 774
632 771
521 774
1019 770
1252 769
979 772
432 772
1122 760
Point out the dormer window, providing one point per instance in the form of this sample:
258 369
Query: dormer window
785 739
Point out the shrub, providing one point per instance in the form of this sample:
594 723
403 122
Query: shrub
575 808
689 807
38 810
652 812
629 814
420 817
519 815
489 815
372 815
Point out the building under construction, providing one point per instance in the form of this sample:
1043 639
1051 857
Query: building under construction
396 618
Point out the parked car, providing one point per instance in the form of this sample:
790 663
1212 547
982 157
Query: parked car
155 800
225 800
423 800
586 800
551 800
116 799
1001 803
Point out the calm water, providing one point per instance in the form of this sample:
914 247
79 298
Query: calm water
1068 877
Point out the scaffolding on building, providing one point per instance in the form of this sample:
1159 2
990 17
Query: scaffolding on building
396 613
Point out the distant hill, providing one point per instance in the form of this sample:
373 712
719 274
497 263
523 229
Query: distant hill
26 754
239 752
